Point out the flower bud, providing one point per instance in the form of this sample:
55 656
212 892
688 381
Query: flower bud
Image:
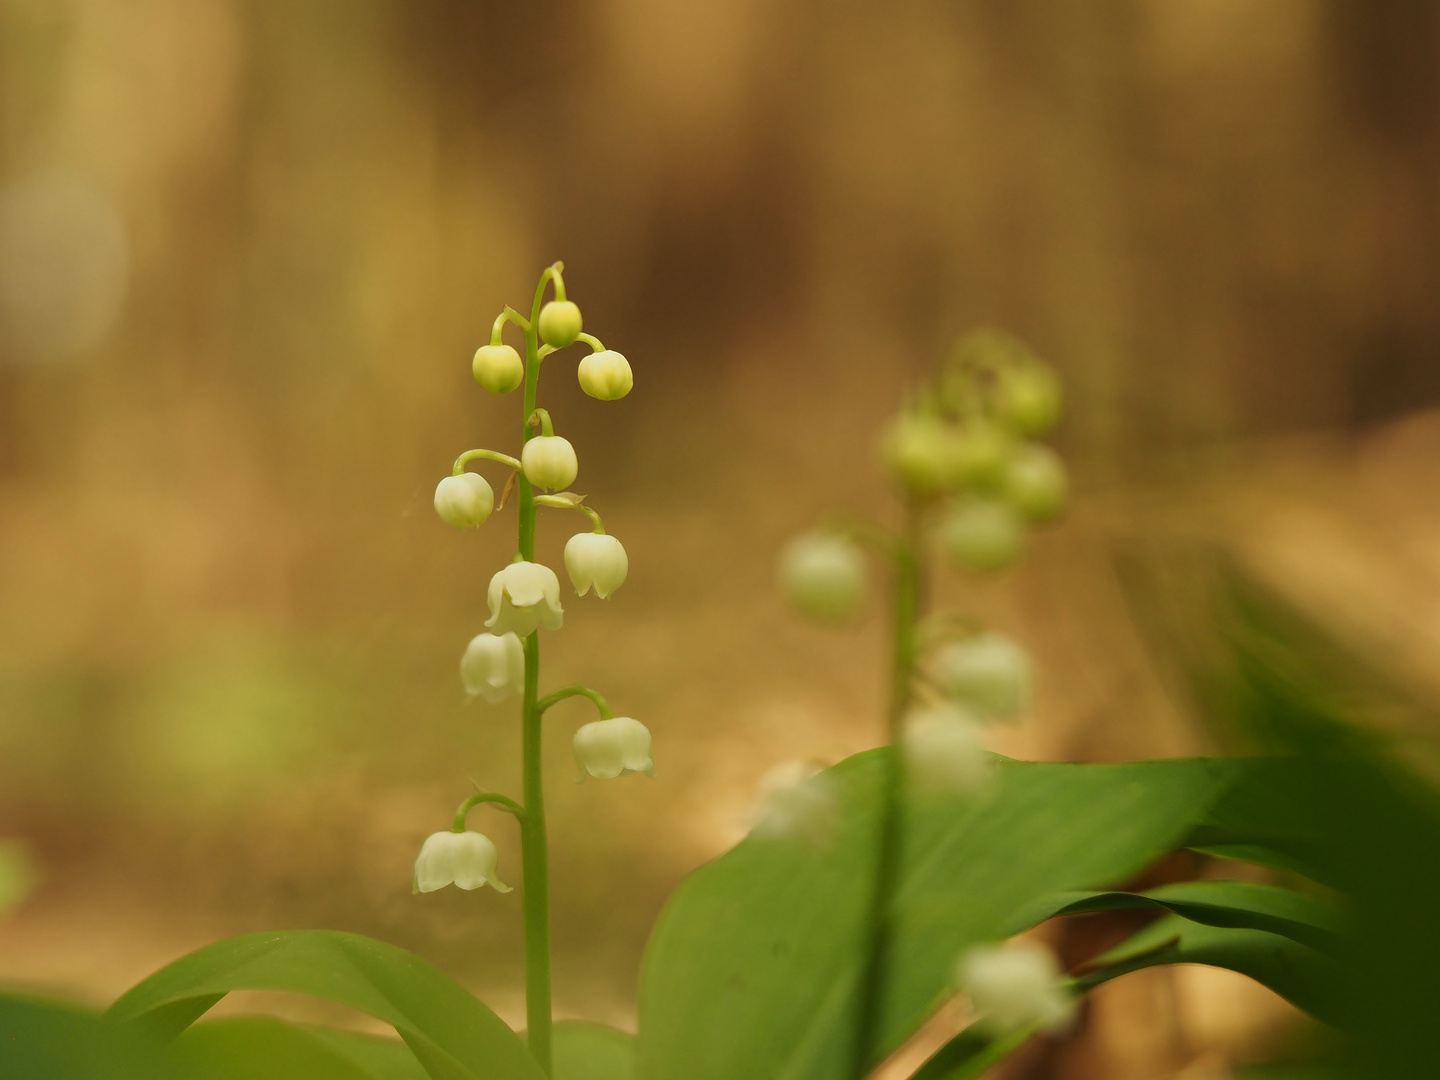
796 800
1029 397
1016 985
596 559
980 452
560 323
824 576
467 859
922 452
464 501
1035 482
493 665
498 368
607 748
983 535
522 597
944 751
988 673
606 375
549 462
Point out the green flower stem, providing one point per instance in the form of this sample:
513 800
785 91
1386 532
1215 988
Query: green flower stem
559 502
503 801
533 842
558 696
552 273
508 315
909 585
592 341
489 455
540 418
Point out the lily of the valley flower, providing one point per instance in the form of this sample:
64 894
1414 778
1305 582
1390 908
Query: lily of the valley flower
498 368
605 375
493 665
522 597
796 800
466 859
549 462
983 535
1016 985
560 323
464 501
596 559
989 673
944 751
824 576
607 748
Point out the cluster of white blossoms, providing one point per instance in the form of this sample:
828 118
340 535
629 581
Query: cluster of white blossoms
1016 985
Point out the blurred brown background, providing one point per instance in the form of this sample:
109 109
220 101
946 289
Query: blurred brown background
247 248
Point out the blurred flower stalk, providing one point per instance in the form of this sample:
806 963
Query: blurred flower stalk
523 598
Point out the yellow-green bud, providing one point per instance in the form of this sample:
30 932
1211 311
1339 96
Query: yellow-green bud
981 450
606 375
1035 482
549 462
1029 396
464 501
923 452
498 368
560 323
983 535
824 576
989 673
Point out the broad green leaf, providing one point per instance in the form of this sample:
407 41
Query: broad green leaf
452 1034
48 1040
589 1051
1301 975
1236 904
263 1048
753 966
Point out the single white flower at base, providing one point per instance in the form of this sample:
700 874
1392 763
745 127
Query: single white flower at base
1016 985
606 375
945 752
464 501
824 576
560 323
796 800
523 597
983 535
493 665
989 673
466 859
498 368
607 748
549 462
596 559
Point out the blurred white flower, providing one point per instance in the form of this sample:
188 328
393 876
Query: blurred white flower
983 535
464 501
493 665
1035 482
990 673
607 748
522 597
549 462
824 576
796 800
1016 985
945 752
467 859
606 375
596 559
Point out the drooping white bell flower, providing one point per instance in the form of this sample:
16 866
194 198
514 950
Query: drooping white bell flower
522 597
464 501
498 368
989 673
605 375
607 748
560 323
466 859
945 751
549 462
824 576
982 534
596 559
1016 985
796 800
493 666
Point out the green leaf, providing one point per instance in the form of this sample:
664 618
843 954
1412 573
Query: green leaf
1235 904
263 1048
589 1051
452 1034
48 1040
753 966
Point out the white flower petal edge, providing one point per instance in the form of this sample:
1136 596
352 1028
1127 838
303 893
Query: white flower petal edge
464 859
1015 985
596 559
607 748
522 597
493 666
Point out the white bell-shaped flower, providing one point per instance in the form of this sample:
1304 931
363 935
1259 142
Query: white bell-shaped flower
944 751
493 666
596 559
498 368
466 859
607 748
796 800
983 535
990 673
1016 985
549 462
606 375
464 501
824 576
560 323
522 597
